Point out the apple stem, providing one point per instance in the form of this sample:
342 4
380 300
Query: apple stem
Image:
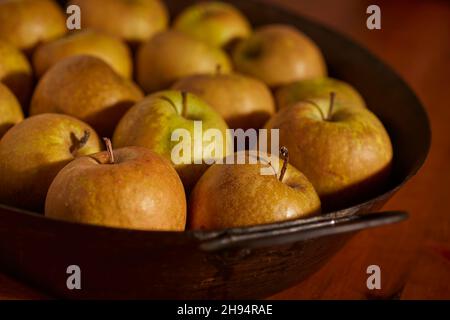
184 104
109 149
330 109
285 157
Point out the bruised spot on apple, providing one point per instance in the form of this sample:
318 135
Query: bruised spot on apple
238 195
34 151
344 151
152 121
131 188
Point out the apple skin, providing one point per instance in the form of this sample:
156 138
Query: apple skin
243 102
216 23
150 124
16 73
237 195
160 62
135 21
108 48
346 158
87 88
318 90
141 190
26 23
34 151
10 110
279 55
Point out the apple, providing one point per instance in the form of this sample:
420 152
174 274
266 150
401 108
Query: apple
87 88
135 21
278 55
109 48
10 110
27 23
344 151
238 195
172 55
318 90
152 123
16 73
34 151
130 188
216 23
243 102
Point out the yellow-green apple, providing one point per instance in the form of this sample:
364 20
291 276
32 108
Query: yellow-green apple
132 20
214 22
243 102
278 55
172 55
34 151
87 88
132 188
108 48
318 90
237 195
10 110
173 124
26 23
16 72
344 151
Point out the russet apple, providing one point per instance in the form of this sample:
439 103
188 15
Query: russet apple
87 88
32 153
130 188
134 21
152 123
243 102
172 55
214 22
344 151
10 110
238 195
279 55
318 90
26 23
16 73
108 48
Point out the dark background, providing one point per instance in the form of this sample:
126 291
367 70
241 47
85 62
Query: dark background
414 256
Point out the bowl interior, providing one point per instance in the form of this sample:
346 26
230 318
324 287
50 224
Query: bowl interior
386 94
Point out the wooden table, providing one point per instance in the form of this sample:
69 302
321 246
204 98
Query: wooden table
414 256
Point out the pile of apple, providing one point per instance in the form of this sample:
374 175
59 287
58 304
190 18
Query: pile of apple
210 66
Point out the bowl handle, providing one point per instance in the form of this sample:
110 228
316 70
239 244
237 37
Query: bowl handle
286 235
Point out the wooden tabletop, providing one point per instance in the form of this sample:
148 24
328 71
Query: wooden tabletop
414 256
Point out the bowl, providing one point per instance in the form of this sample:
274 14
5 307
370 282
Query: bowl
241 263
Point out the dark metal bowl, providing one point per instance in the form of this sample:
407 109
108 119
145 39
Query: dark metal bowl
252 262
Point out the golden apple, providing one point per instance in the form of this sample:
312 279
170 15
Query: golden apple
34 151
134 188
278 55
238 195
